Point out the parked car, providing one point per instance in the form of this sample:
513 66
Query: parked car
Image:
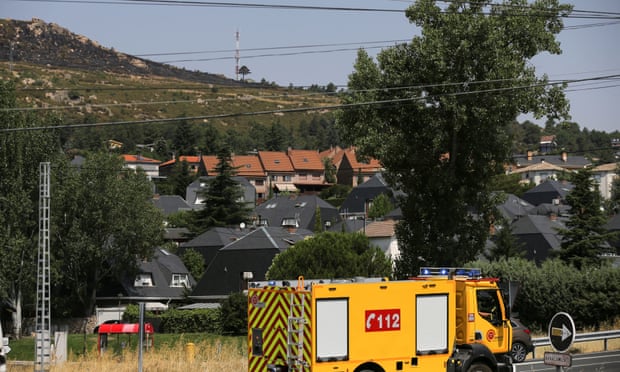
521 341
111 321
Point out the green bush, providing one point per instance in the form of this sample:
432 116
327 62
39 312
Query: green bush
590 296
179 321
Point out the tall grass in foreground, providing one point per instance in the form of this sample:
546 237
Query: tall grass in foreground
207 356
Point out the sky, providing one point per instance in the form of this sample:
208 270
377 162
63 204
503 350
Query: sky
303 47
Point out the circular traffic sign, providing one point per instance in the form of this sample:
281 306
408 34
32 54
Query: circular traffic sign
561 332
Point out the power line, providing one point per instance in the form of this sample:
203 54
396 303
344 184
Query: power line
298 109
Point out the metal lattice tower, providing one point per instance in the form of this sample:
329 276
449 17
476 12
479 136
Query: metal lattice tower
43 325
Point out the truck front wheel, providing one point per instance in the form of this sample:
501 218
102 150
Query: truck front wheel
479 367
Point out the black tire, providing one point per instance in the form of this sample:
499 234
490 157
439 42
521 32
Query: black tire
518 352
479 367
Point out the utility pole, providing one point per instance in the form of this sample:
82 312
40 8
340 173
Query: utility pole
237 55
43 316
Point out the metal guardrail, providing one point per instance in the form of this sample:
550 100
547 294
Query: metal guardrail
581 337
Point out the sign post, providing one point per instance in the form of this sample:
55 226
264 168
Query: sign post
561 336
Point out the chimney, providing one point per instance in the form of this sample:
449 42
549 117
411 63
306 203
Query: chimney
529 156
564 156
553 216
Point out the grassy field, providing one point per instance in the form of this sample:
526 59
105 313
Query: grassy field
173 353
169 353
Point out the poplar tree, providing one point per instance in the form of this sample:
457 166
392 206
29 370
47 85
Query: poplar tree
436 112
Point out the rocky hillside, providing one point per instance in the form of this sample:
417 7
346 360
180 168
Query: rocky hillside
48 44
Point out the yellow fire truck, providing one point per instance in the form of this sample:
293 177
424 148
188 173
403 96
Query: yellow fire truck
445 319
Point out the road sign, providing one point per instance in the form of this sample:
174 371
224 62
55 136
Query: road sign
558 359
561 332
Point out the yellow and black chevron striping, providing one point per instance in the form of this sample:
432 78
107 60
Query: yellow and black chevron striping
269 310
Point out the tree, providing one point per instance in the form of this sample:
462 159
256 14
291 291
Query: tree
331 255
614 202
180 178
447 100
381 205
505 243
584 238
194 262
244 70
21 151
103 223
223 198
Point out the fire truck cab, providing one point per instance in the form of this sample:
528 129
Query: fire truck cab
445 319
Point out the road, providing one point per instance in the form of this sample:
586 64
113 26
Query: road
593 362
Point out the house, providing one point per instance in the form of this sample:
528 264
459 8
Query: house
538 236
250 168
547 144
196 201
309 174
353 170
539 172
170 204
562 160
279 171
604 176
383 235
159 281
295 212
359 200
244 260
514 208
549 191
166 168
209 242
148 165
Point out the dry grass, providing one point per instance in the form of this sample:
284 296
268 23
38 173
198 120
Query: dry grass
207 357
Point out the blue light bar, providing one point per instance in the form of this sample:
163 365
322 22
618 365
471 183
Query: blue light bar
446 271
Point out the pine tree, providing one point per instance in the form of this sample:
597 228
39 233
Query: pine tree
223 198
585 237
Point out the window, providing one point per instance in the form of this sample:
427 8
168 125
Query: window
303 176
143 280
274 177
180 280
287 178
260 182
488 305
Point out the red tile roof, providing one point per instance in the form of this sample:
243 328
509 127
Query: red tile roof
188 159
372 165
305 160
139 159
248 166
209 162
275 161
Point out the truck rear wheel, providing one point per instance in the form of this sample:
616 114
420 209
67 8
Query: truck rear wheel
479 367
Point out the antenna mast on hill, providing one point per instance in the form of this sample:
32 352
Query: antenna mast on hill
237 55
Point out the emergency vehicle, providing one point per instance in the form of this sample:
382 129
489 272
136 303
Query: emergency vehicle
449 320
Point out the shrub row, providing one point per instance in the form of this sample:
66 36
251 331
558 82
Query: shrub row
229 319
590 296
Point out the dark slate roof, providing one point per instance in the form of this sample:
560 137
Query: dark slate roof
191 192
215 237
267 237
176 233
547 191
299 207
541 225
613 224
514 207
357 198
170 204
571 162
253 253
161 268
546 209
